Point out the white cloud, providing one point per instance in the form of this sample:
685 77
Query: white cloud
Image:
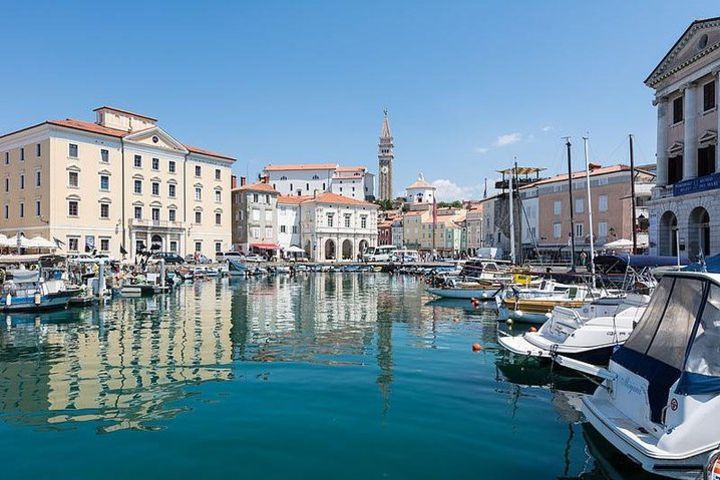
508 139
547 128
482 150
447 190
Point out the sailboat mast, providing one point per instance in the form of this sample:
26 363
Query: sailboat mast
632 196
590 212
511 199
572 209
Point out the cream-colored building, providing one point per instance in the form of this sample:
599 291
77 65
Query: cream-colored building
121 181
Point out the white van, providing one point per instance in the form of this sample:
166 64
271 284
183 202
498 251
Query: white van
406 256
382 253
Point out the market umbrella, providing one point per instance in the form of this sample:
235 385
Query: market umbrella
619 244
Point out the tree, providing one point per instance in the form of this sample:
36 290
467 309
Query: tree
385 204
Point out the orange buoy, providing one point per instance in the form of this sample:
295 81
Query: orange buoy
533 329
476 347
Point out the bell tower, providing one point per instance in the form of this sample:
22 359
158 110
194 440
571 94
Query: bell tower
385 158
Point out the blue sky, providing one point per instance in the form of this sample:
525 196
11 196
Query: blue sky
469 85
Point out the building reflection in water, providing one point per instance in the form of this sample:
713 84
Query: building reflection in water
125 364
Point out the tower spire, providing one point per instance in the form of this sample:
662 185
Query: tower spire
385 158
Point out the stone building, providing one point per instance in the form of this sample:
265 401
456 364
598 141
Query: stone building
120 182
306 179
255 221
685 201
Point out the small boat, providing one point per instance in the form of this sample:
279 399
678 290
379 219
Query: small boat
38 289
589 333
536 305
660 395
466 290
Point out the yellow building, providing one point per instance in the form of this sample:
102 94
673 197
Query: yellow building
121 181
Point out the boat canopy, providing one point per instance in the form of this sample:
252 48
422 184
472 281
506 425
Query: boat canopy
710 265
619 263
678 337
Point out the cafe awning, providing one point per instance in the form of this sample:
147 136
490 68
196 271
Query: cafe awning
265 246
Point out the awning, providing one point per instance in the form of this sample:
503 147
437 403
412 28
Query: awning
265 246
294 249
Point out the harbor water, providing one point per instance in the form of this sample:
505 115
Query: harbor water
322 376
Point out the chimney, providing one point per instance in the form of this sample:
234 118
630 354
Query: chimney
233 181
265 179
594 166
243 180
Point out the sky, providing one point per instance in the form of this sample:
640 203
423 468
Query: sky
470 86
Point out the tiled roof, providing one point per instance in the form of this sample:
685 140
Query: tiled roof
351 169
303 166
257 187
292 200
125 111
112 132
328 197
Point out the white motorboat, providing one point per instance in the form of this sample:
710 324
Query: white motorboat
589 333
660 398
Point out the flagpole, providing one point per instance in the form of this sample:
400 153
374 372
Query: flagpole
512 219
590 215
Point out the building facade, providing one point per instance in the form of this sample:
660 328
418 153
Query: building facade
683 218
119 182
385 160
255 218
306 179
420 194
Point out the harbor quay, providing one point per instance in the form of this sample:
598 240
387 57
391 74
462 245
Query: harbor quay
390 258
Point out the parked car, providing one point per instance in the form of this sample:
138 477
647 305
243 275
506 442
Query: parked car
220 256
171 258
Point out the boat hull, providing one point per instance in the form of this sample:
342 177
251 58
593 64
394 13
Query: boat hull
51 301
518 345
464 293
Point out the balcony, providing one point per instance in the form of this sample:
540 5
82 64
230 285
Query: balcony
145 223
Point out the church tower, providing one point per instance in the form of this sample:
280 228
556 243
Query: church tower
385 158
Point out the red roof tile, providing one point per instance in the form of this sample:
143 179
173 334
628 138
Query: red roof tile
257 186
328 197
304 166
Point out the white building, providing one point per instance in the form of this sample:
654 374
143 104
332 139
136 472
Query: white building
305 179
685 201
420 193
288 218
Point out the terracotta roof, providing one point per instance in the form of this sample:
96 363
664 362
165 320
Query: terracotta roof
580 174
114 132
328 197
351 169
292 200
257 186
125 111
303 166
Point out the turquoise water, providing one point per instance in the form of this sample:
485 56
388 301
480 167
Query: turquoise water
324 376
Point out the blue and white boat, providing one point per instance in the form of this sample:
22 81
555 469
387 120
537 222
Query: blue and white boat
40 287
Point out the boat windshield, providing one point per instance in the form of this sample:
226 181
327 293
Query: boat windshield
667 325
704 356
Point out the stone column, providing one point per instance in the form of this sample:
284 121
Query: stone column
690 138
717 123
662 135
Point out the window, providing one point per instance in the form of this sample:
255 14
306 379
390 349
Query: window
218 219
363 221
557 207
347 220
171 166
255 197
22 181
218 247
198 217
104 244
218 196
173 246
7 158
38 178
330 219
198 247
7 211
137 213
73 208
104 156
285 178
557 230
602 229
7 184
137 186
256 215
38 150
22 154
709 96
291 187
198 171
155 213
73 243
104 210
198 193
268 232
104 182
73 179
155 188
156 164
73 150
578 230
37 208
675 169
603 203
282 228
294 229
307 187
677 107
171 190
137 161
579 205
22 210
268 215
267 198
706 160
171 214
217 174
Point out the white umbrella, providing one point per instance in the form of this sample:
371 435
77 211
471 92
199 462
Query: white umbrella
294 249
619 244
40 242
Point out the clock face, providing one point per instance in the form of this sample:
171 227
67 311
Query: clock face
384 169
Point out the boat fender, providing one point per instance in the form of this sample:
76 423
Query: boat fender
509 321
8 300
476 347
37 298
